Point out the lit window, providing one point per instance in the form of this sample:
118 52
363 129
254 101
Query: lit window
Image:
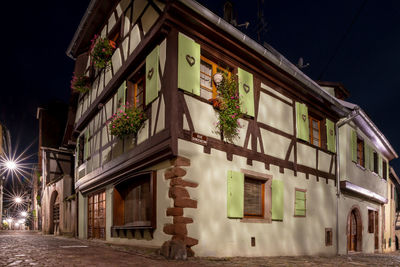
136 93
315 131
208 89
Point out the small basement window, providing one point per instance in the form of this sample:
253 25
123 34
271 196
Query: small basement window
134 204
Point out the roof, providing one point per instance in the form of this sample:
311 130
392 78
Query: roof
342 108
368 127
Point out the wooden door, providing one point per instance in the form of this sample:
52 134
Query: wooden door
376 230
352 235
97 215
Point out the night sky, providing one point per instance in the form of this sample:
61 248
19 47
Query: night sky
36 69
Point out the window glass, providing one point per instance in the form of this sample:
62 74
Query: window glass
315 131
208 68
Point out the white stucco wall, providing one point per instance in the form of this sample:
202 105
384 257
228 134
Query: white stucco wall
353 173
346 204
221 236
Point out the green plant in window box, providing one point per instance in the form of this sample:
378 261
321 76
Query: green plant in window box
101 52
80 83
126 122
228 105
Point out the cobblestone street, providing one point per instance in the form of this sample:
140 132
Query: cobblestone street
34 249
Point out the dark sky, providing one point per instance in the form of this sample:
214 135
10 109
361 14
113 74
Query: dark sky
36 70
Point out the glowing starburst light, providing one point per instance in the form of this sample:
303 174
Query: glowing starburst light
24 214
11 165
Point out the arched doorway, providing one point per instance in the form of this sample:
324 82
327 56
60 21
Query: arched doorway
354 230
54 213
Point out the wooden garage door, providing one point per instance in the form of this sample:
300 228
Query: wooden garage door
97 215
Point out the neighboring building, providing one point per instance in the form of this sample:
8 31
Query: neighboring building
392 211
57 199
271 192
5 149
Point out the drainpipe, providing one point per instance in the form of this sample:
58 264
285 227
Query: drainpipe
349 118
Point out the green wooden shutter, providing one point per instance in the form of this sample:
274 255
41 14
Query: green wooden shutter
121 96
353 146
152 75
366 155
371 158
300 203
330 136
277 200
235 196
302 124
86 145
380 165
246 92
188 65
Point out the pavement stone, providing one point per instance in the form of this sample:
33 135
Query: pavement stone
27 248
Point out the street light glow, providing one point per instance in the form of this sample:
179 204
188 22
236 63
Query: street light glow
11 165
9 220
18 200
24 214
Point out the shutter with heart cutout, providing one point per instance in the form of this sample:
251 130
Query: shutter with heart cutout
188 64
246 92
152 75
302 126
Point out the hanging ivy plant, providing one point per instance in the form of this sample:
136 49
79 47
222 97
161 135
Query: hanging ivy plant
80 83
124 123
101 52
228 105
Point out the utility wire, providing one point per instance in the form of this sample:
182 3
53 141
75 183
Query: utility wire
342 40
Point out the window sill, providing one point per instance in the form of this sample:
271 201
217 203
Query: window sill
255 220
361 167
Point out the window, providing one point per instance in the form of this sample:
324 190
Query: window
360 152
328 236
208 89
384 169
136 92
376 162
81 149
133 202
370 221
300 203
115 33
315 131
97 216
254 191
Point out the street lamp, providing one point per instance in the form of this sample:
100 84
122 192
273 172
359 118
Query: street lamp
24 214
11 165
18 200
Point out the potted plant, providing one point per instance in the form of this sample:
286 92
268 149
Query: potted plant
80 83
124 123
101 52
228 105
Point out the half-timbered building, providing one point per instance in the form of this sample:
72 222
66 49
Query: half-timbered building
272 191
